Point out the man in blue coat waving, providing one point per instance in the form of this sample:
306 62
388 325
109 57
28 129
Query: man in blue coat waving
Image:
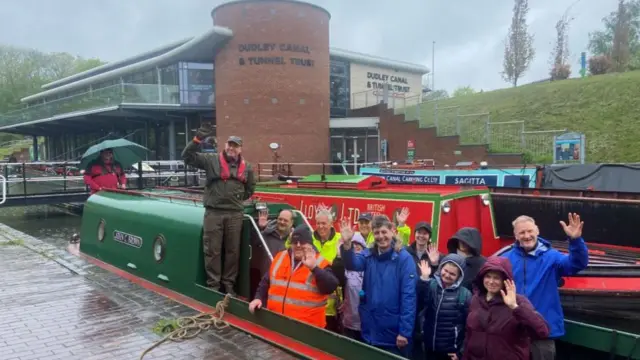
388 298
537 269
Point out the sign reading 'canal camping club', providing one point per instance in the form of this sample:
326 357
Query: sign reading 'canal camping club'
408 179
263 54
127 239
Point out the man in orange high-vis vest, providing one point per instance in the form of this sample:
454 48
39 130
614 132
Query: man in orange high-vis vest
298 283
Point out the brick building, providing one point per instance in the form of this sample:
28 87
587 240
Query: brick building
264 71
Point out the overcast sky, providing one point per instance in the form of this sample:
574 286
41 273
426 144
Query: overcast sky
469 34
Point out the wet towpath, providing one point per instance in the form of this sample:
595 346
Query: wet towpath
57 306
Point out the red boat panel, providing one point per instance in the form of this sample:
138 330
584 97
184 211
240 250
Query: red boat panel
585 284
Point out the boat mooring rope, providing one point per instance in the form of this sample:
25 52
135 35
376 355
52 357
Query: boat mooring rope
190 327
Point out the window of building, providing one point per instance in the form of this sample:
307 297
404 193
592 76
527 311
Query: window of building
197 83
339 88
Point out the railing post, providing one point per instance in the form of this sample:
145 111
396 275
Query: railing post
3 185
140 175
64 178
24 179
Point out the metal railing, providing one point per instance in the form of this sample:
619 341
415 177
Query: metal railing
26 179
275 171
95 99
3 181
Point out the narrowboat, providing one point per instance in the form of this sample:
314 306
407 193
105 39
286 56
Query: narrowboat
154 237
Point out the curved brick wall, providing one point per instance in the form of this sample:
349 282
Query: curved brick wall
272 79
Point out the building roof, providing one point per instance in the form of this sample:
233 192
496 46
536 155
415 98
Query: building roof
201 48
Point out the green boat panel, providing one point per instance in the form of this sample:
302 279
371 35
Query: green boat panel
133 223
624 344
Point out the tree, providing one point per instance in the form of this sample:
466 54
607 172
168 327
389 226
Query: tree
628 20
436 95
518 49
560 69
463 91
24 71
620 52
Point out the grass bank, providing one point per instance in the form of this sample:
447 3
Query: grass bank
606 108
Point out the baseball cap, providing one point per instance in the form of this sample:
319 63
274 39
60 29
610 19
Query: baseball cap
423 225
235 139
365 217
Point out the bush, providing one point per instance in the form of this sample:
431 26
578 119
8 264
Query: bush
560 72
599 65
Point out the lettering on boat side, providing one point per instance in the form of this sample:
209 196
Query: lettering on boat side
351 208
127 239
408 179
481 180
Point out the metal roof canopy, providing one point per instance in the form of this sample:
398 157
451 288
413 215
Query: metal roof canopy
202 48
121 117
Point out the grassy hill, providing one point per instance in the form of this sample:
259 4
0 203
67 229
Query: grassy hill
606 108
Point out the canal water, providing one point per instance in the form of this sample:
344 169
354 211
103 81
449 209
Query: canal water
50 224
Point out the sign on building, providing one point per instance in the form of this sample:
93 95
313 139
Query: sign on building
569 148
370 84
411 150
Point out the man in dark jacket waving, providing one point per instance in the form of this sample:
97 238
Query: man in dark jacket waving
230 181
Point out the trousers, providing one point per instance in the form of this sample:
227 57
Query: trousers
222 229
543 349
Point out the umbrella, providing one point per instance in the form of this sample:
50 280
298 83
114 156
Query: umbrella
125 152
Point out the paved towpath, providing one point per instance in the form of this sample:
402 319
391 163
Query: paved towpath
54 305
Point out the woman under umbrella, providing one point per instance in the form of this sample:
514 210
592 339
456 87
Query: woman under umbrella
500 323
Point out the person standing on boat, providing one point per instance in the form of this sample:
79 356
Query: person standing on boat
230 181
326 241
298 282
467 242
401 228
388 300
422 250
446 304
352 290
501 322
275 233
538 268
364 228
105 173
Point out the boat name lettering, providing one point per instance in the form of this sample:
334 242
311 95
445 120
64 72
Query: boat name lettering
127 239
481 180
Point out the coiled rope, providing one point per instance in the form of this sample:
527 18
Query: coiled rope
190 327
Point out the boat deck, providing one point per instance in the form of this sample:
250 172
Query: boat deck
58 306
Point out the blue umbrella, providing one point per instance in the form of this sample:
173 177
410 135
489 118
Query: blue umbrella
125 152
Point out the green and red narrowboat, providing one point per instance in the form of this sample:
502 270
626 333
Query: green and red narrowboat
154 237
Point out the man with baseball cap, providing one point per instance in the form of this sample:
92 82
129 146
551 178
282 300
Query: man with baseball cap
299 282
230 181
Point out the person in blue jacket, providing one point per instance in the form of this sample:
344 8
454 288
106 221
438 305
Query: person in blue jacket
537 270
388 298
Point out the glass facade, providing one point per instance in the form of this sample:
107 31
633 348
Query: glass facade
339 88
197 83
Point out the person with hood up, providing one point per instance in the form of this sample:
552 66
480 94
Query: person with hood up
501 323
538 268
446 304
388 299
352 289
298 283
422 249
467 242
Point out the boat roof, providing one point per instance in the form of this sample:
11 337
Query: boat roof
369 184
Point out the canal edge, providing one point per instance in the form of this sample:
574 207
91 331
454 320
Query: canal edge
10 236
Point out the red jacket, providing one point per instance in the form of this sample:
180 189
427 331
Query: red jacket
493 330
104 176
